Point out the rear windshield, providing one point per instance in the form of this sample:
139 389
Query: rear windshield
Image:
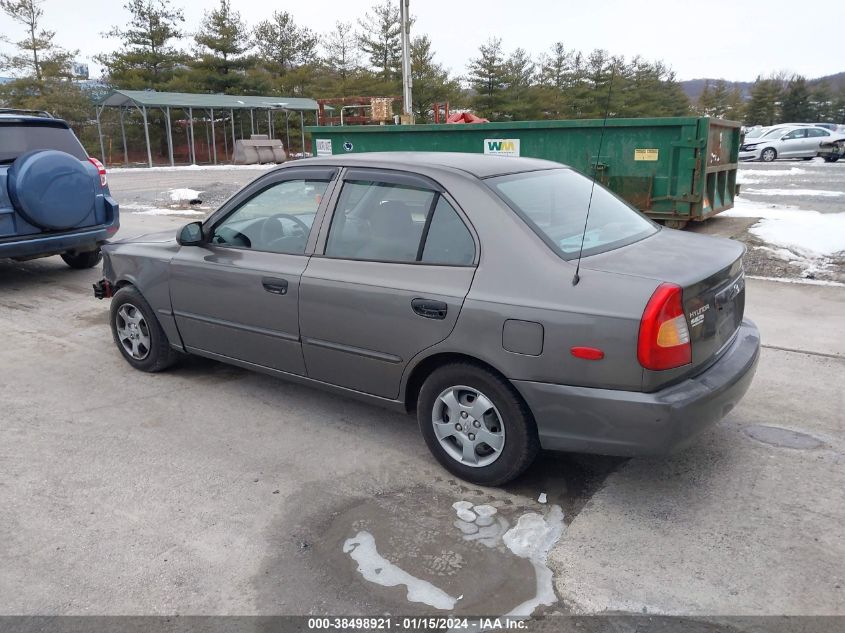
554 204
20 137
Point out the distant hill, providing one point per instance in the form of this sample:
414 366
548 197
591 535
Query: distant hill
835 82
693 87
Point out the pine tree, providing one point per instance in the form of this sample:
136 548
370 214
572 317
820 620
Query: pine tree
222 41
147 58
796 106
431 81
822 104
380 39
284 46
721 100
522 97
764 106
488 78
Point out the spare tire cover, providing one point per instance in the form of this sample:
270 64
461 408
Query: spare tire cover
51 189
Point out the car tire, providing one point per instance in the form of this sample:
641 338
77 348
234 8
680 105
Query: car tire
831 159
80 261
144 346
768 155
507 422
675 224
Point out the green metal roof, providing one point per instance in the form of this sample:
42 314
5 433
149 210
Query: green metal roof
154 99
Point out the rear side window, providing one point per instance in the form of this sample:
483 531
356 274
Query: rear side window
448 240
21 137
386 222
554 204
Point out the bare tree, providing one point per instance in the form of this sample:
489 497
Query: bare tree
37 56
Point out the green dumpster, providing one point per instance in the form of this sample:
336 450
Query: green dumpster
673 169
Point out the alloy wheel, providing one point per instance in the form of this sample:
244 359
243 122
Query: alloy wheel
132 331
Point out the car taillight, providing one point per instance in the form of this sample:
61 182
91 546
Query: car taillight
664 336
100 169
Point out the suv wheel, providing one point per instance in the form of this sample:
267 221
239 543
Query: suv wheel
86 259
137 332
476 425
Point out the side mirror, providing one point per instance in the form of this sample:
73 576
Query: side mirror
191 235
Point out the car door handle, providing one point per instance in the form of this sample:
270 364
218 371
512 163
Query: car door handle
276 286
429 308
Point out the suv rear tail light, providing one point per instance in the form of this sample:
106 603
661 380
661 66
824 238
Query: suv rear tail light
101 169
664 335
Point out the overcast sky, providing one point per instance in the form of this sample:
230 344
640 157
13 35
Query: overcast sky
735 40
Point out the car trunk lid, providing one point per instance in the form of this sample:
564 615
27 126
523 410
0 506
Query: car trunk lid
708 270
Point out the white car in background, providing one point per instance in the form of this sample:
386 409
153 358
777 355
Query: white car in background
786 141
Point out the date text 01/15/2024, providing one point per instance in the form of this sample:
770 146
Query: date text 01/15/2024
415 623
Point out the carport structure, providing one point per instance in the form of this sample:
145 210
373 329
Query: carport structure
223 105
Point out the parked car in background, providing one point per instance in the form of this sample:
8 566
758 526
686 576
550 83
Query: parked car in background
446 284
54 198
797 141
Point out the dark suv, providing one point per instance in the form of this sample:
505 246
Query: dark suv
54 198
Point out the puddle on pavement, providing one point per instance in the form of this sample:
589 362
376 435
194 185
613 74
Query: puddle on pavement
784 438
412 549
441 548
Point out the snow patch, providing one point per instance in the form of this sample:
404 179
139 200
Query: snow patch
771 172
375 568
119 170
804 193
807 233
184 195
796 280
154 211
533 538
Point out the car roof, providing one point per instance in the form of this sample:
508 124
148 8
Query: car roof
10 117
478 165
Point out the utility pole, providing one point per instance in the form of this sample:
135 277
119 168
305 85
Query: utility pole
405 14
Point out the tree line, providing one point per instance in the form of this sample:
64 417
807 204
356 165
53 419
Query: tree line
779 98
224 54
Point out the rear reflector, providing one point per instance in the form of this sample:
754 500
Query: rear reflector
664 335
100 169
587 353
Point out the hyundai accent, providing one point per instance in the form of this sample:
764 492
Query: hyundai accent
475 291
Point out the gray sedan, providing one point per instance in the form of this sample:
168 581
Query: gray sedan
473 290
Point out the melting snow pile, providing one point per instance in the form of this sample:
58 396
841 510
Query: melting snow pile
375 568
531 538
184 195
808 233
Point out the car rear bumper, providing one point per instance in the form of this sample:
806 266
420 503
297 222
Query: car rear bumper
50 244
610 422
